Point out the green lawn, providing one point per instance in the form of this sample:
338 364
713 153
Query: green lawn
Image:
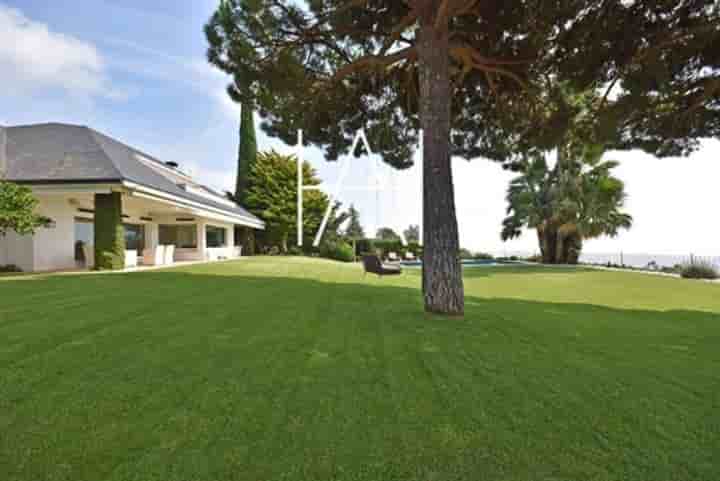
298 369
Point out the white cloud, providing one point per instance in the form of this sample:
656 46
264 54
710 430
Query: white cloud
34 57
195 72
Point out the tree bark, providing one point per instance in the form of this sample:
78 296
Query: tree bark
284 242
548 238
442 272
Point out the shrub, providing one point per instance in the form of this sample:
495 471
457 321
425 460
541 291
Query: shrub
109 232
339 251
387 246
365 246
699 270
294 251
482 256
10 268
465 254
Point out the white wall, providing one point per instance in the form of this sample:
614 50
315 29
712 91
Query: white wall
17 250
54 248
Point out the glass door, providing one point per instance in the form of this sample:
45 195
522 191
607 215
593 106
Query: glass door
135 237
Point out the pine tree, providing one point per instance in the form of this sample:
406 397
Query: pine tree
354 229
468 74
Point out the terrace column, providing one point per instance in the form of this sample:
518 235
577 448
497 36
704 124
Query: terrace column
151 235
109 232
230 241
201 240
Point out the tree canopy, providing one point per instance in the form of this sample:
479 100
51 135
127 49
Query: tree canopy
272 195
17 210
412 233
387 233
354 229
341 65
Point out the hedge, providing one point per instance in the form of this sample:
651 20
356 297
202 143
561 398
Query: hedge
109 232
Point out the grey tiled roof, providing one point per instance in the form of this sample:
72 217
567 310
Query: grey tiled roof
62 153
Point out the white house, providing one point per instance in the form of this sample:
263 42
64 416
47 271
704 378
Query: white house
167 216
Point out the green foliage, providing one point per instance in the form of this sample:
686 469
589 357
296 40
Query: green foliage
354 229
272 196
385 246
10 268
578 199
339 251
365 246
386 233
363 71
109 232
17 210
332 229
482 256
466 254
412 234
247 152
699 270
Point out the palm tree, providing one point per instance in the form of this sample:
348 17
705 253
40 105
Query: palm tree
578 199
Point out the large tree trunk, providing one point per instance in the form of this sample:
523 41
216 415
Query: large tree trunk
442 271
574 249
284 242
560 249
548 238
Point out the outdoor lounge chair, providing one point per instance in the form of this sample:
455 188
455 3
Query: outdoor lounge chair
373 265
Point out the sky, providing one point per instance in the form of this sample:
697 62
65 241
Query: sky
136 70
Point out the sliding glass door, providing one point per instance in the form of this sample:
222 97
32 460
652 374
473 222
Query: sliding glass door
134 237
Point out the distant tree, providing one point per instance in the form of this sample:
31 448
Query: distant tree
354 229
468 74
272 196
386 233
412 233
333 229
465 253
578 199
17 210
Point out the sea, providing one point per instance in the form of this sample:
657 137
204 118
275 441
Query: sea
639 260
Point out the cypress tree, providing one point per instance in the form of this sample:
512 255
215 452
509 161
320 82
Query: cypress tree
247 151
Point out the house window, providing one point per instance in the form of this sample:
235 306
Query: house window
84 236
181 236
215 236
134 237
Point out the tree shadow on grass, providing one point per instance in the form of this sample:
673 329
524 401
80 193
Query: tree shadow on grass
300 376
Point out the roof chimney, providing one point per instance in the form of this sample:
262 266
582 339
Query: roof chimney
3 152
